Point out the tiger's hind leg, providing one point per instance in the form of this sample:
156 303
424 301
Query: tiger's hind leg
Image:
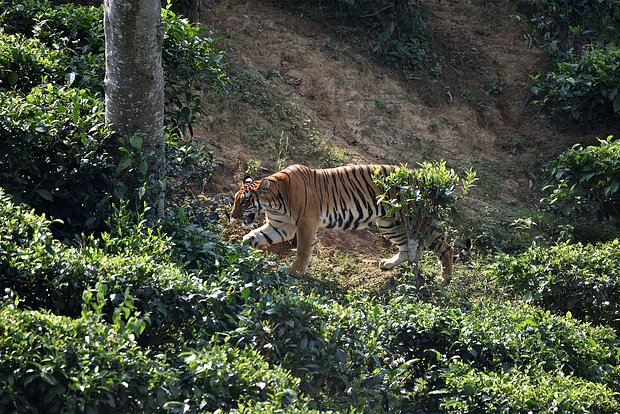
439 244
396 234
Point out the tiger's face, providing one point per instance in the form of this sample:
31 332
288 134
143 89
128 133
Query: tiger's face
247 201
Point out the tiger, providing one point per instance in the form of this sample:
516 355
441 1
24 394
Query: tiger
299 200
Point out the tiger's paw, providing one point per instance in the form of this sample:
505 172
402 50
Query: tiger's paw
394 261
444 280
386 265
250 239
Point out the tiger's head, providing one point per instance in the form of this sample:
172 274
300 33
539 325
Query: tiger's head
249 200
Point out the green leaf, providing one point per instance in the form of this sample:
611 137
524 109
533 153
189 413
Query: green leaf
143 167
612 188
123 164
136 141
45 194
617 103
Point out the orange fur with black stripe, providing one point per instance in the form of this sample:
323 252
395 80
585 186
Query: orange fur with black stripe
299 200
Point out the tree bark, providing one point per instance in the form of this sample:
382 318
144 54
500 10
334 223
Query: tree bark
134 77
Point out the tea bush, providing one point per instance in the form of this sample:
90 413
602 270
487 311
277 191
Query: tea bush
56 155
425 340
18 17
191 59
25 63
395 354
224 377
77 34
67 27
560 26
580 279
585 87
581 36
191 62
586 181
516 391
48 274
59 158
55 364
132 260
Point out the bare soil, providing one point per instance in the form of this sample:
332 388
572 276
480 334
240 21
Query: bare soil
477 112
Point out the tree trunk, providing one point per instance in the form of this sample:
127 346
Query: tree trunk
415 246
134 77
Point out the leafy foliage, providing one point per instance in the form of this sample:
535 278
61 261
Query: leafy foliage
581 36
585 87
418 196
564 25
582 280
57 364
190 58
56 152
18 17
426 341
396 353
192 65
77 34
25 63
516 391
223 377
586 181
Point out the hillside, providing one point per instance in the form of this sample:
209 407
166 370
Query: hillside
304 94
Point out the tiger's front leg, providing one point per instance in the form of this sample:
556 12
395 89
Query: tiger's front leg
306 240
268 234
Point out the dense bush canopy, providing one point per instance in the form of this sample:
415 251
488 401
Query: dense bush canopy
130 314
57 154
586 180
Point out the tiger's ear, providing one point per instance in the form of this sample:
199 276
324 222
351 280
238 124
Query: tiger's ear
247 179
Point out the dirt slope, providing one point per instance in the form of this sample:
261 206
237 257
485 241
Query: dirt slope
476 113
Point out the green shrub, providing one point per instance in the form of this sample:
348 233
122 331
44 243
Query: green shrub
68 26
390 355
192 66
424 340
190 58
18 16
56 157
25 63
586 181
77 33
514 391
224 377
48 274
585 87
427 189
582 280
57 364
499 336
132 260
560 26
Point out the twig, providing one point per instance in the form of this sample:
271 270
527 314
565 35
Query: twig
375 13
